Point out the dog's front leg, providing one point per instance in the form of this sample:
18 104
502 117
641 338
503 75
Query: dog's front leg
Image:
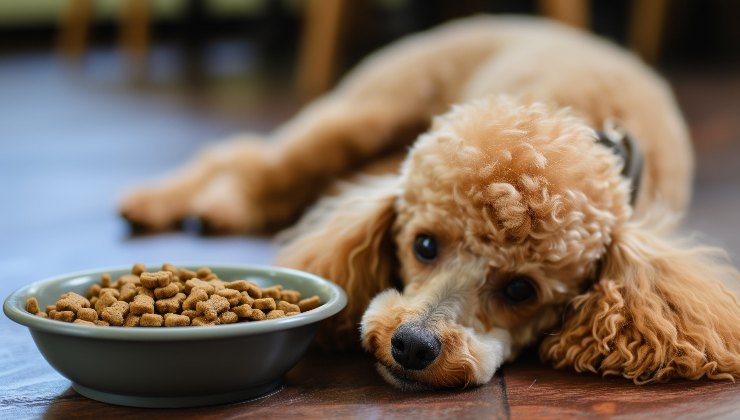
251 185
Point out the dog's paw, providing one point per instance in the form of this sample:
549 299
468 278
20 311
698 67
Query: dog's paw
150 209
225 206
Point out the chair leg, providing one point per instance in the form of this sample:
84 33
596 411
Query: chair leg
74 27
135 21
322 35
573 12
647 28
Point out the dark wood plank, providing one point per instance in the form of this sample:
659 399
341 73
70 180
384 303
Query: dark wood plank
537 391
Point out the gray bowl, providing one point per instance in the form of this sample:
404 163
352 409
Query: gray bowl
176 367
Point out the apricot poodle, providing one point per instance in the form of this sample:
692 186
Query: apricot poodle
488 185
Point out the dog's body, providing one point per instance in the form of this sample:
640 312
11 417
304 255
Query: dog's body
508 221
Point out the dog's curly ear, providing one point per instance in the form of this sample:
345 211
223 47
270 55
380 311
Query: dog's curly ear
347 239
659 311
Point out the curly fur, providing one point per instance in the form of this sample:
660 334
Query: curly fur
658 312
494 122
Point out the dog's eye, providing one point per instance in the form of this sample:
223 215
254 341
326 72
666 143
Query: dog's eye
425 248
519 289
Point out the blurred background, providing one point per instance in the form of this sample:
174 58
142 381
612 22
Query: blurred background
98 95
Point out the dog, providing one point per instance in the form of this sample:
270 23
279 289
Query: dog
491 184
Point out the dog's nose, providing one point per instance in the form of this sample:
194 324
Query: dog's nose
414 347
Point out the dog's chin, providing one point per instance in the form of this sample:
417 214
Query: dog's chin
401 380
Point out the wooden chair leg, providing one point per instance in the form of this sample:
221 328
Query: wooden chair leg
319 46
135 21
573 12
74 27
647 27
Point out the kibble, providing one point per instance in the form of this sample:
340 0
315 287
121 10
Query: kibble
151 320
309 303
173 297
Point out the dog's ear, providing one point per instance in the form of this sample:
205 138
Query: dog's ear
659 311
347 239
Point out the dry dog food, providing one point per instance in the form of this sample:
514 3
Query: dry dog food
173 298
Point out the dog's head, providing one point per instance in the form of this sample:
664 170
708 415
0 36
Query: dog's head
510 223
504 211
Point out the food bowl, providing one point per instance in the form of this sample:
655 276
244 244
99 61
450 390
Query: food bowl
176 367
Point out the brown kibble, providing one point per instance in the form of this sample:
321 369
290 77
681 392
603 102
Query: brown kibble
109 290
83 322
66 316
92 291
265 304
42 314
242 311
141 290
180 285
200 321
105 280
309 303
142 304
246 299
190 313
169 267
193 283
210 309
154 280
52 313
290 296
129 279
102 323
72 302
292 313
174 320
128 291
277 313
116 313
233 296
167 291
186 274
170 305
87 314
151 320
32 305
203 272
105 300
138 269
131 320
228 317
257 315
253 290
197 294
272 291
212 278
50 308
240 285
287 307
93 300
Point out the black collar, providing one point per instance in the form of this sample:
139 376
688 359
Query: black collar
615 137
623 145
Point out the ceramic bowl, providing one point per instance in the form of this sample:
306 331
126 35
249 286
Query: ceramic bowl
176 367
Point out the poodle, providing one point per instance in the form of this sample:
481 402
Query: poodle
488 185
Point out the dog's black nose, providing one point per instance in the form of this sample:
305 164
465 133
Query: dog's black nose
414 347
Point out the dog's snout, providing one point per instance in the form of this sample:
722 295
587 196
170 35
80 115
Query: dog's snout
414 347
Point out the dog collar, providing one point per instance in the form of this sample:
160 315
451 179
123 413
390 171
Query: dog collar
615 137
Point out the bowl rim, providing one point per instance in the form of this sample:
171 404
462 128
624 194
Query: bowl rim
14 308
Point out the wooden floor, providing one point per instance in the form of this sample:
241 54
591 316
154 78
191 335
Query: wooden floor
73 137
